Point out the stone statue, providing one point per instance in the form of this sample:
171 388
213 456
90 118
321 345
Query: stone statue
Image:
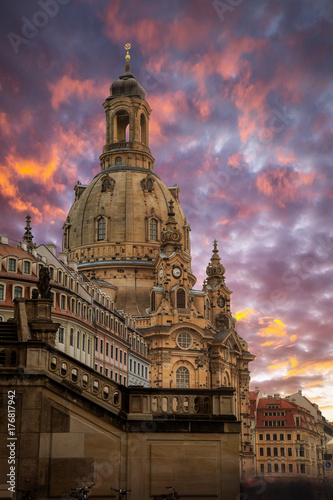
43 284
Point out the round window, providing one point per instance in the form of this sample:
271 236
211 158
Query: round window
184 340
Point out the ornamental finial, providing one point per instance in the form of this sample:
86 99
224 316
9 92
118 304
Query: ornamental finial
127 57
215 246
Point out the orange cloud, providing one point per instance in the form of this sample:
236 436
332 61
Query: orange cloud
275 328
283 184
66 87
311 367
244 315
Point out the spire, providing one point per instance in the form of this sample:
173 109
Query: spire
28 236
215 270
127 58
170 234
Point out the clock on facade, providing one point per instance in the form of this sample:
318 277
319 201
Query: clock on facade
176 272
221 301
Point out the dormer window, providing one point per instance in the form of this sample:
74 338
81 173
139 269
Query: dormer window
12 265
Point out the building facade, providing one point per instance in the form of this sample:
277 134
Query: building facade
288 437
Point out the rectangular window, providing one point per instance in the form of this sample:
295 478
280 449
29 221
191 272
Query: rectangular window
61 335
125 358
121 356
289 437
274 437
297 421
134 367
111 374
78 339
281 437
301 451
102 346
116 353
130 367
71 337
18 292
106 372
83 342
111 351
268 437
261 452
262 468
101 369
124 379
89 346
141 370
146 372
269 467
282 452
275 452
268 452
120 379
51 272
261 437
96 366
96 344
302 468
276 467
107 349
290 452
63 302
290 467
116 377
11 265
2 292
298 437
26 267
283 467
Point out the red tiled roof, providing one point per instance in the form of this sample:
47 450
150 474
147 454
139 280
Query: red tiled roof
11 250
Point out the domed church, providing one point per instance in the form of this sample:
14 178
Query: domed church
126 230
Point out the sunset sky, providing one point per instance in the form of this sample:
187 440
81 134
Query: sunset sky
242 99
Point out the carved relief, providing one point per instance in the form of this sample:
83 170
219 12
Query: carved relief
147 183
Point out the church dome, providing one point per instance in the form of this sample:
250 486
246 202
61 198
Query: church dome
127 85
131 202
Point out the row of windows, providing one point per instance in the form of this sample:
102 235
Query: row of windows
274 423
17 292
81 342
275 468
180 302
274 414
275 452
116 353
274 437
117 377
138 368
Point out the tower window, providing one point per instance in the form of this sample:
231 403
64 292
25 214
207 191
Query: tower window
101 229
118 160
152 301
181 301
182 377
153 229
143 129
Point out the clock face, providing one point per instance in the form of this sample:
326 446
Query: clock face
160 273
221 301
176 272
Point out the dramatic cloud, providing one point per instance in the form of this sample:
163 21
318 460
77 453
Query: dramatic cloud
241 120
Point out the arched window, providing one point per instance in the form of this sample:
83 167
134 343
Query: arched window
181 299
101 229
120 126
71 337
18 292
2 319
12 265
2 292
182 377
143 129
153 229
152 301
106 185
118 160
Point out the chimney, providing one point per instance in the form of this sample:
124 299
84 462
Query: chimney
277 396
299 392
63 257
